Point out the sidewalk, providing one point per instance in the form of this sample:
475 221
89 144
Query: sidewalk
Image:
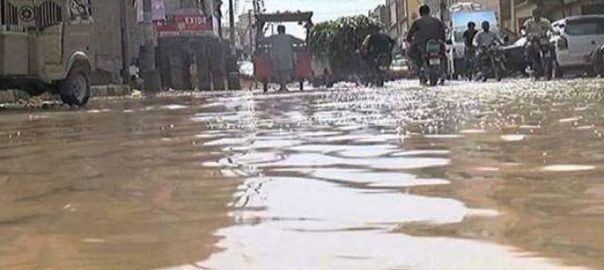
14 96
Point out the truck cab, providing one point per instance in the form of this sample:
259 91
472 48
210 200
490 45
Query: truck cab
45 46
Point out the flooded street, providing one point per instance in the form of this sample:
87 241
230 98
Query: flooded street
466 176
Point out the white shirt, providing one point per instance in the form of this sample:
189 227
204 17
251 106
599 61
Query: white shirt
487 39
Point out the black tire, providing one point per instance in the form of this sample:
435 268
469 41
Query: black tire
498 72
548 70
433 79
558 72
422 80
301 85
75 89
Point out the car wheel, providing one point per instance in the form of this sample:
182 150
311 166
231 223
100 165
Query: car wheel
75 89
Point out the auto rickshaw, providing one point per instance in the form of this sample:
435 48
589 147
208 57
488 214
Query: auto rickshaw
262 57
45 46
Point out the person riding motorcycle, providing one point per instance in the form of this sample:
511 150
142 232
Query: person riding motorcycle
483 41
470 50
486 38
536 29
376 48
422 30
597 58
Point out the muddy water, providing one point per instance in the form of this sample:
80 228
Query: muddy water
489 176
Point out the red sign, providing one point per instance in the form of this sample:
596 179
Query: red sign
185 23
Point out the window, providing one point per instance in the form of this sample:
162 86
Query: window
584 27
80 9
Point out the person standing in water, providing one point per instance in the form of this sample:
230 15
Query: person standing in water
282 57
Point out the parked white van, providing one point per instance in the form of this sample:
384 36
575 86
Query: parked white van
575 39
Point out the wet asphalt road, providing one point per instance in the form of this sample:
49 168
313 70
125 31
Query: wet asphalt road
466 176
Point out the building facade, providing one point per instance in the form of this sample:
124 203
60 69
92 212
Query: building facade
380 15
397 17
191 55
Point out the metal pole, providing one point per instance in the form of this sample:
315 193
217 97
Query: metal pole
249 15
443 7
124 38
513 20
232 25
151 77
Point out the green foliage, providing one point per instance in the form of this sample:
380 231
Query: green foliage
338 41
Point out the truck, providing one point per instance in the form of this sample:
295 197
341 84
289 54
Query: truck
45 46
461 14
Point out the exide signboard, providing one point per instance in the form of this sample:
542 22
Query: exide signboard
184 23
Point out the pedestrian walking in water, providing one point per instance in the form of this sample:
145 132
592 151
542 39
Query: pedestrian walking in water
282 56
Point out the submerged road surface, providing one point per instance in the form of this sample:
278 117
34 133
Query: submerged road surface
466 176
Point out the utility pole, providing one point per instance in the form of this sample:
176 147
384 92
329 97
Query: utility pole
124 39
251 29
443 10
232 25
151 77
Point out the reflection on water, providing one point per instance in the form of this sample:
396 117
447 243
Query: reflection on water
502 177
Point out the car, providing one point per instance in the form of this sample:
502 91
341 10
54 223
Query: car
515 60
575 39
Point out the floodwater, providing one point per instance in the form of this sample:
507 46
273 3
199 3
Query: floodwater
466 176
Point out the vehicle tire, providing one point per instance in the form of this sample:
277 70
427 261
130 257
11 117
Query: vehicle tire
548 70
301 85
422 80
433 79
75 89
497 72
558 72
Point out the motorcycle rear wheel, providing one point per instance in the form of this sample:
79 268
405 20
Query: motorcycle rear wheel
548 70
433 79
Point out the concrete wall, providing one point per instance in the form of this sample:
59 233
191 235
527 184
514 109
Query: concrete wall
107 48
108 45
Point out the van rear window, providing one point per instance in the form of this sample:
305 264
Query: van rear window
584 27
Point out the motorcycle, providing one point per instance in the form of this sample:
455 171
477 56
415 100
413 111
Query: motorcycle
597 59
432 64
542 62
379 69
374 70
491 63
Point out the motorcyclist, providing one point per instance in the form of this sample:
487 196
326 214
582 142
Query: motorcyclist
597 59
470 50
536 29
486 38
483 41
423 29
375 46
